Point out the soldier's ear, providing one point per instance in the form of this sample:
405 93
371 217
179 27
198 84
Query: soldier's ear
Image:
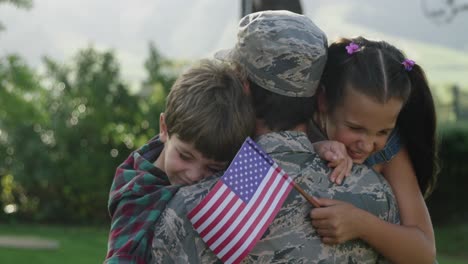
163 135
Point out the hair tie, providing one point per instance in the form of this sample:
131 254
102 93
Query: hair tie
352 47
408 64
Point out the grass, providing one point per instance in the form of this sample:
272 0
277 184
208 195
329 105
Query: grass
452 244
80 245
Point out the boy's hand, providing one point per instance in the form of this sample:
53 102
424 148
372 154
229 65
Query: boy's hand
335 153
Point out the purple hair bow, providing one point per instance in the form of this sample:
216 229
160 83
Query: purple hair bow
409 64
352 47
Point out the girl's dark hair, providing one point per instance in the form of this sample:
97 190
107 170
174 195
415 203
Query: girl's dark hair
376 70
417 125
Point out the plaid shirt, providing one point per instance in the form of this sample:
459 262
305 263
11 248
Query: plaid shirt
139 193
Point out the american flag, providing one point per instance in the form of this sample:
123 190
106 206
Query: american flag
237 211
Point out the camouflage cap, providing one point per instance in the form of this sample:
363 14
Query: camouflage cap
281 51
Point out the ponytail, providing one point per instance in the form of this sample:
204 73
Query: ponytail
417 125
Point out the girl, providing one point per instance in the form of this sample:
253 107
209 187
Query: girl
368 90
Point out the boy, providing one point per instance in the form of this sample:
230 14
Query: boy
208 116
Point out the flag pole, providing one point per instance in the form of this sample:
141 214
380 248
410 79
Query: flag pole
311 199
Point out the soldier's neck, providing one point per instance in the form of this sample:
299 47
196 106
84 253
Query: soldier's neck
261 128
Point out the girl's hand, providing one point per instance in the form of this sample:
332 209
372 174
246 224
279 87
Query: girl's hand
336 221
335 153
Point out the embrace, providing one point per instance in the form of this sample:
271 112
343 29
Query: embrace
353 123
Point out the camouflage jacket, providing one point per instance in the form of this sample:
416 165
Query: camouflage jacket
290 238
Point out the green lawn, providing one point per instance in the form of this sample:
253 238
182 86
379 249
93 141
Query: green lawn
452 244
77 245
88 245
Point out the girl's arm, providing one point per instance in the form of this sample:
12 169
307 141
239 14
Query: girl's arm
413 241
410 242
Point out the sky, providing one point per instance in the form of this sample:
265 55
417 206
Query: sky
190 30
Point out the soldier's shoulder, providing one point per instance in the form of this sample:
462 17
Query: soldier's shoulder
190 195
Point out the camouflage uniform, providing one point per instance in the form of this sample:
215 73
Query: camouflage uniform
284 53
290 238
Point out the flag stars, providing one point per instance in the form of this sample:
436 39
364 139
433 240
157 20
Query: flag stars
247 171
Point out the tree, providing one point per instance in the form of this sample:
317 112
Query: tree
445 12
92 121
65 132
20 116
161 74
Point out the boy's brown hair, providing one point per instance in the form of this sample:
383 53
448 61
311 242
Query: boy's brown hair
207 106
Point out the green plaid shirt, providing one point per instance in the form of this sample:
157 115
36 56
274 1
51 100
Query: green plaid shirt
139 193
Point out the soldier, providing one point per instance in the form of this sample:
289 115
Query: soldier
283 55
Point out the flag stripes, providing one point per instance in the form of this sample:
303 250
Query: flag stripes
229 226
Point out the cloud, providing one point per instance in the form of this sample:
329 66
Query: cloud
195 29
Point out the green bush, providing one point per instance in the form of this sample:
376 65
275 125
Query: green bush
448 202
65 132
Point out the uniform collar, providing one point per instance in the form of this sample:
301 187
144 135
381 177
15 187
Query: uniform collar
285 141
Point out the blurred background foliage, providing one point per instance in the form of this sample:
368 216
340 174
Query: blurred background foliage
64 131
447 204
